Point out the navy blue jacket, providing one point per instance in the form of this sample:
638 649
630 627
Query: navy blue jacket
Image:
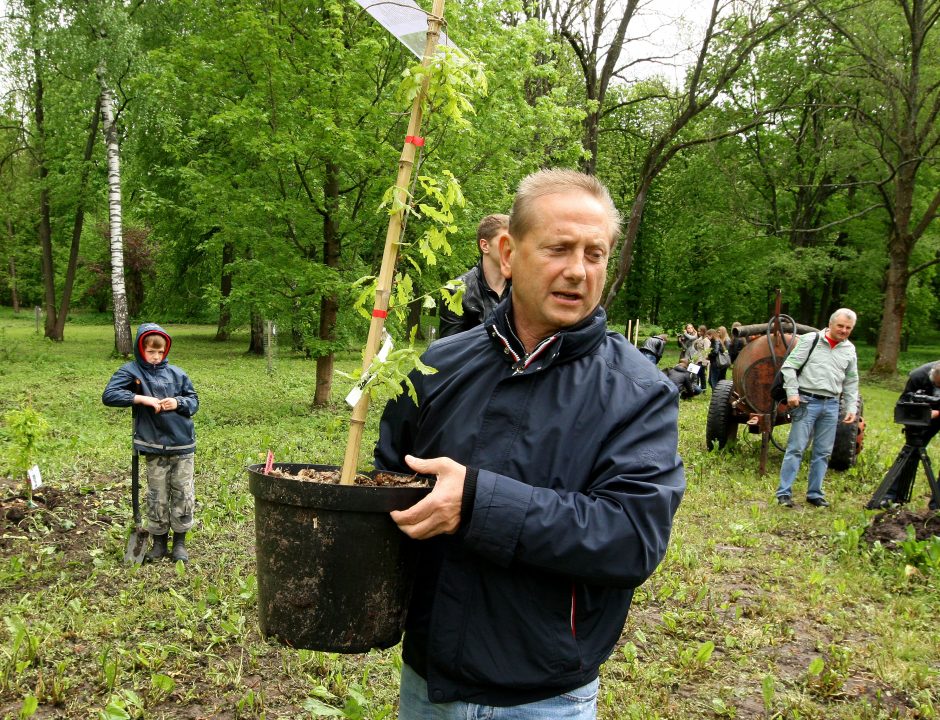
165 433
577 481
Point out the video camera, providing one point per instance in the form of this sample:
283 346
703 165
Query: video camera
913 409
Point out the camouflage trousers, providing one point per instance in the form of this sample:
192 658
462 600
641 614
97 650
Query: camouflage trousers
171 493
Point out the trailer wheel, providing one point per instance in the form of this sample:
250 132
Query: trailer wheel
721 428
848 441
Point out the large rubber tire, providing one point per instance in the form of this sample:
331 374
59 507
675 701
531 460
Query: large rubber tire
845 448
721 427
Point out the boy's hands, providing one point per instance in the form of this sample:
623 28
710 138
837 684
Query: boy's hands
170 403
150 402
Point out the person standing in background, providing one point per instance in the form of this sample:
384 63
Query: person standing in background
484 284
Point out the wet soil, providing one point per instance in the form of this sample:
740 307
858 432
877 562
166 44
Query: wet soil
890 527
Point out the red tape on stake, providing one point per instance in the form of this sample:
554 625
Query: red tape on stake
379 313
415 140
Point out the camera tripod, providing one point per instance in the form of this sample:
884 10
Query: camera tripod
916 449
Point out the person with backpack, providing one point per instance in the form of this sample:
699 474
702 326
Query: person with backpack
820 368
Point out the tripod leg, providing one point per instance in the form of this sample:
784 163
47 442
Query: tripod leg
892 476
931 479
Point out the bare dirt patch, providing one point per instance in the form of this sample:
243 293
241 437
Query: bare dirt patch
70 517
890 527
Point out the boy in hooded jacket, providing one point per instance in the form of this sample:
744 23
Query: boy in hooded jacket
164 402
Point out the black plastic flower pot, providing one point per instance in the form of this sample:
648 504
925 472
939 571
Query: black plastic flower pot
334 572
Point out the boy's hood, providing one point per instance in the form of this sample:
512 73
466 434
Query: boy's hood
143 331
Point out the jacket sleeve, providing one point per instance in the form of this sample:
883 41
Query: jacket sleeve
187 399
450 322
119 392
614 533
396 433
850 385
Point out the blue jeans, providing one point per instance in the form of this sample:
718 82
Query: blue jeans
817 419
580 704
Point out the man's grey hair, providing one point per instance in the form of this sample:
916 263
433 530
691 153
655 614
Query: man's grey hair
850 314
935 371
548 182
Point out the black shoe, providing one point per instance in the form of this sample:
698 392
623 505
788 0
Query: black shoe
785 500
818 502
179 547
158 551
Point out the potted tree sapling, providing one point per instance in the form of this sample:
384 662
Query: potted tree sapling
334 572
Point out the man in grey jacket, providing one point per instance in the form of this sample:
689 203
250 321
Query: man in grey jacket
820 368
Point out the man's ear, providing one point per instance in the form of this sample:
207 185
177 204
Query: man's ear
506 249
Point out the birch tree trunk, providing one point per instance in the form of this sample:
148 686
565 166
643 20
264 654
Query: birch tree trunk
122 330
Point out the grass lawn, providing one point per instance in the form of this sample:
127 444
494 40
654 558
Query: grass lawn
757 612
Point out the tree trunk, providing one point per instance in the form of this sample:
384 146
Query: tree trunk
225 290
14 296
256 344
892 313
45 221
123 345
629 238
329 306
77 225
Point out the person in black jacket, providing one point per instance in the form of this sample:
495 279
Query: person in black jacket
685 382
554 446
484 284
654 347
924 380
164 403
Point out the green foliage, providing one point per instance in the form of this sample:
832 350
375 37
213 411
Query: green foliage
24 429
921 554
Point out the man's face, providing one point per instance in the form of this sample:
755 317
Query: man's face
489 249
558 269
840 327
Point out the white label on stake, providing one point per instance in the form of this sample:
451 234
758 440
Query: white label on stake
35 478
355 395
693 368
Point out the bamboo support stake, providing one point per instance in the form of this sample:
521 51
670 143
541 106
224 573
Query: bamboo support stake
383 290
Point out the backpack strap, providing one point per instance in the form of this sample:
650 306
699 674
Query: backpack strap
815 343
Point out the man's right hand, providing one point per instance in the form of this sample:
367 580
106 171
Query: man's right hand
793 401
439 512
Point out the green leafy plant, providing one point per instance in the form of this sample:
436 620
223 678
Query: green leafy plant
826 675
921 554
25 428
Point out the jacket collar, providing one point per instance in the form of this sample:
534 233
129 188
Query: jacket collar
563 346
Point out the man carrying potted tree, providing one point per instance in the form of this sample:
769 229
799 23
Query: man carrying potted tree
554 444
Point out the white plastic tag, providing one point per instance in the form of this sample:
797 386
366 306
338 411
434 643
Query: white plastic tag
35 478
355 395
693 368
